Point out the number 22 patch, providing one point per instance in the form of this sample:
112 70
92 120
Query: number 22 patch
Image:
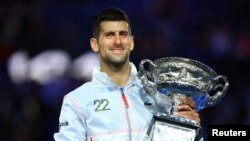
101 105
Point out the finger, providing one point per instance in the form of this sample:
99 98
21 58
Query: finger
187 112
189 115
184 108
188 101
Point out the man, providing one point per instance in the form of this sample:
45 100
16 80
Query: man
111 106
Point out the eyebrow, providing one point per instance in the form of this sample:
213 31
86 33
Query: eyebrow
113 32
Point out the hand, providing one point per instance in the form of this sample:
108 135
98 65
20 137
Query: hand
186 109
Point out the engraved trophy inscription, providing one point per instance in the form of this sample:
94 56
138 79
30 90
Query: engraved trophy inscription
168 79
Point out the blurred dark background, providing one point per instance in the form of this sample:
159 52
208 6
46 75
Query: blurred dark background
45 53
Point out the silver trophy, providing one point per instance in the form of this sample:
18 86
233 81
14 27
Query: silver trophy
168 79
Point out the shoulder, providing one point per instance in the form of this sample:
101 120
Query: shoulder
82 92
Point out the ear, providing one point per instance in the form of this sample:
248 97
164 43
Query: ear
132 43
94 45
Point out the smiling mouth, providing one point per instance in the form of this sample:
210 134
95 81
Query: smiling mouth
117 51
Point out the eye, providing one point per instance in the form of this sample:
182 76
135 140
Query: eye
124 33
109 34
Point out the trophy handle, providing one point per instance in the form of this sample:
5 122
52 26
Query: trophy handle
145 75
141 66
218 91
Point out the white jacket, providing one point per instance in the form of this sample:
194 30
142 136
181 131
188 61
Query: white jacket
102 111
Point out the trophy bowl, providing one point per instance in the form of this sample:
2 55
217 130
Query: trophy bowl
168 79
186 77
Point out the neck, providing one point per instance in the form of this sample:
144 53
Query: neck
118 74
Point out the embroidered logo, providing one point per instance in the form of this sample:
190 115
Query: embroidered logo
63 124
101 105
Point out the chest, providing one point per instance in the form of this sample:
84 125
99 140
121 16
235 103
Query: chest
111 111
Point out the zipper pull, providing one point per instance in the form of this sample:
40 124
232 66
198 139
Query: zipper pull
124 98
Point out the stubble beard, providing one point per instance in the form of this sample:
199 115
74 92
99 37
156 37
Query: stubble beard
117 62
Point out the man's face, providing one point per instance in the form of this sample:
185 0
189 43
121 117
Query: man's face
114 43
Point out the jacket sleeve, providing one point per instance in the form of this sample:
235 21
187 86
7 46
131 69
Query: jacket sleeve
72 125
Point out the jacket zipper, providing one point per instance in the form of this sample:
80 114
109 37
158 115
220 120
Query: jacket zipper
124 98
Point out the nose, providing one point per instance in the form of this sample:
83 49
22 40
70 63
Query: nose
117 40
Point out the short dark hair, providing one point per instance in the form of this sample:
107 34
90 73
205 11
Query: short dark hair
109 14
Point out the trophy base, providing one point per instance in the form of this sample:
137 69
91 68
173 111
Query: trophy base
172 128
